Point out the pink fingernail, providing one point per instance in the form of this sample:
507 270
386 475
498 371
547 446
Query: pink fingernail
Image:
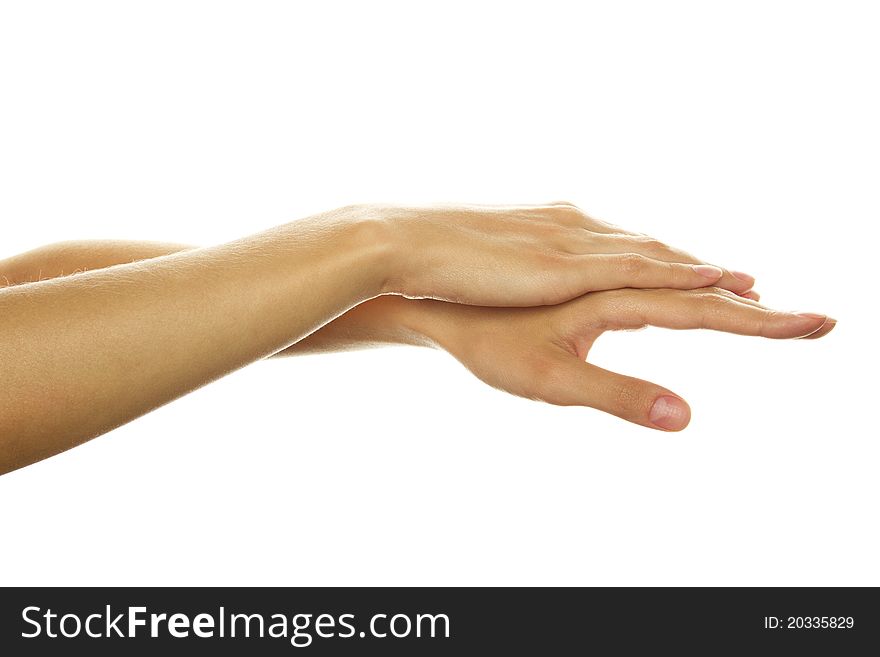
670 413
743 277
708 271
812 315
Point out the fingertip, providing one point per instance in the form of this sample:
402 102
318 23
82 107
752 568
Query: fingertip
791 325
826 328
737 282
669 413
807 324
746 279
709 272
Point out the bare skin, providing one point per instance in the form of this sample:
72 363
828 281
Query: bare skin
141 324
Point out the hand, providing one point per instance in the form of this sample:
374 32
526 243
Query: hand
539 352
530 256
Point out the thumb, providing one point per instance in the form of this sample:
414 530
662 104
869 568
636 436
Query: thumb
626 397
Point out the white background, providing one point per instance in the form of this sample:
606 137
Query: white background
744 132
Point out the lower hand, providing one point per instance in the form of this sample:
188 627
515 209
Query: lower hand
539 352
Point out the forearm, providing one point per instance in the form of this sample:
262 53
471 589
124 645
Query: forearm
71 257
83 354
385 320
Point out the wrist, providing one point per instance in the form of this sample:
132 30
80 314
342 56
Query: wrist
370 239
386 235
427 322
352 244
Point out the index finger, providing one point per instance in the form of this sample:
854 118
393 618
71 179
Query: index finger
709 309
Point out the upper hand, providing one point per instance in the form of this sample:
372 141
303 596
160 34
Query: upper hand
530 256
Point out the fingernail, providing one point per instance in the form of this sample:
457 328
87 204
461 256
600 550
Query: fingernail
708 271
670 413
812 315
743 277
826 328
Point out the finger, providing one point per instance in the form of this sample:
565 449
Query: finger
615 239
734 281
752 295
635 400
610 272
704 309
826 327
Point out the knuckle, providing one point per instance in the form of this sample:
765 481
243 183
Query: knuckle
706 292
541 379
632 264
651 244
542 231
554 259
715 304
606 304
357 209
624 398
709 306
565 239
678 273
767 321
566 217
